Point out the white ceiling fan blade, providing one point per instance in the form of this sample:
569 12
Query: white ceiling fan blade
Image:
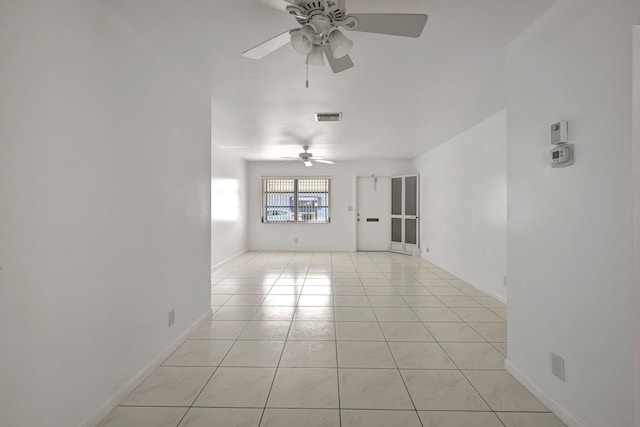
277 4
328 162
308 163
290 158
338 64
395 24
271 45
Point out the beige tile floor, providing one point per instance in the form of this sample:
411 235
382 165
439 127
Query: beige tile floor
338 339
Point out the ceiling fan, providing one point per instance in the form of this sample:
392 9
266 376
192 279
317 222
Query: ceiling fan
319 35
307 158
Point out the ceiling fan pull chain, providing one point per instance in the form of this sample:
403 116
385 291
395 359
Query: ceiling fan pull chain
307 81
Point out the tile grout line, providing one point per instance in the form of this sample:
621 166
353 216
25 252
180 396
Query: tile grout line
284 345
335 328
210 377
415 409
451 359
460 370
394 277
207 382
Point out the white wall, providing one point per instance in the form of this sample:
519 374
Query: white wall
636 209
228 205
340 234
104 210
570 230
464 205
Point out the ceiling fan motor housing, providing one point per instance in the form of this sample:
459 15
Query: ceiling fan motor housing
324 15
306 155
306 9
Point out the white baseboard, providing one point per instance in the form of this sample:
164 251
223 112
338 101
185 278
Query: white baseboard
229 259
492 294
559 411
104 409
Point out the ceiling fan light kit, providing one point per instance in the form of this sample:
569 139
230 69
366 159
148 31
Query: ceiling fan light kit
340 45
321 21
316 56
302 39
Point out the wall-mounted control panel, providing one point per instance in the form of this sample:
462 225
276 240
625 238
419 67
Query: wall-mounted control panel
560 133
562 156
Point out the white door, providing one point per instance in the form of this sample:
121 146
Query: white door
374 205
405 204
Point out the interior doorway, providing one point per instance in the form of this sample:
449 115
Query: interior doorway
405 204
373 213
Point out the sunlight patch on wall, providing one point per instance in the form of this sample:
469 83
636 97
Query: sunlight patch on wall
225 200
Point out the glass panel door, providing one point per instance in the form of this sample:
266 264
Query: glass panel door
396 196
405 204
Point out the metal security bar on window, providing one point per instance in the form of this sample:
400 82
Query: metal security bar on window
301 200
313 200
277 202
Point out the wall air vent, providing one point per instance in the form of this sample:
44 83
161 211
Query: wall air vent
328 117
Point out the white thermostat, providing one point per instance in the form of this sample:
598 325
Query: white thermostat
560 133
562 156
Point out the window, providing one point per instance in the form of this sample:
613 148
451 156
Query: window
291 200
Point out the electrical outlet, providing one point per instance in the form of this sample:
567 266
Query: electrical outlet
557 366
172 318
295 240
427 249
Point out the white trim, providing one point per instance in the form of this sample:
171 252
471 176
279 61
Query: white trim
229 259
101 412
355 213
559 411
492 294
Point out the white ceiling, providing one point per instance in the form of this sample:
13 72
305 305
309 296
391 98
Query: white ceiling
403 97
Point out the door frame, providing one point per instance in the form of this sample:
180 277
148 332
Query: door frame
356 207
403 216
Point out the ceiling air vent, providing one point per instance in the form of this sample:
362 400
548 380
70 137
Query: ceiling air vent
328 117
